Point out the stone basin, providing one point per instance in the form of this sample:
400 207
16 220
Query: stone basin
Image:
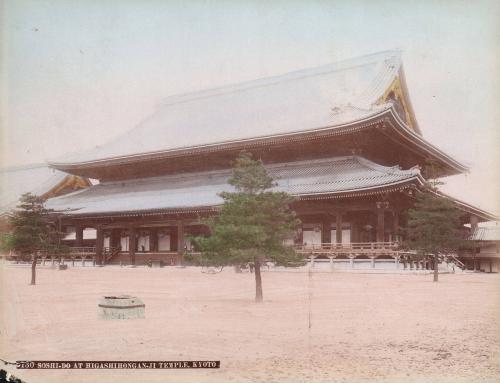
121 307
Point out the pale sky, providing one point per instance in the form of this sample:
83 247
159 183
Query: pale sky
75 74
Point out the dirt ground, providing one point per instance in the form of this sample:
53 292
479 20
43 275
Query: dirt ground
320 327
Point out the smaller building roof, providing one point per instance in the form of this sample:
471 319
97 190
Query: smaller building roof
333 176
486 234
37 179
483 215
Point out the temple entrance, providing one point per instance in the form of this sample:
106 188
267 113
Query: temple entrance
163 240
345 235
311 235
124 241
143 241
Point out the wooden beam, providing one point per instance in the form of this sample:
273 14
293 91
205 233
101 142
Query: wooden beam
395 225
180 240
180 237
138 222
78 236
321 210
153 239
474 220
132 243
115 238
380 224
338 229
99 245
326 235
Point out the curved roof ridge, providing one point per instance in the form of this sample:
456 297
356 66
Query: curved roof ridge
290 76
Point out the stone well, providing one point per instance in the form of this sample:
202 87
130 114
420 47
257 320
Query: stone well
121 307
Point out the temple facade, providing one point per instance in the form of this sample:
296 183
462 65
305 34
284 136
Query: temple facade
342 138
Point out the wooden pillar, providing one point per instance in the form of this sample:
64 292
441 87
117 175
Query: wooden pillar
78 236
381 206
180 240
338 231
99 245
153 239
59 229
326 234
300 237
355 230
380 225
114 241
473 223
132 244
395 226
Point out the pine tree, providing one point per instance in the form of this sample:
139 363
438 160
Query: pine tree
32 231
434 225
253 223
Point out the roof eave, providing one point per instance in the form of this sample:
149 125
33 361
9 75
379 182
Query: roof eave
416 180
464 206
404 130
389 114
337 129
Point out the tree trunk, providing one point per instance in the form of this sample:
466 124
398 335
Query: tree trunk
33 270
436 271
258 281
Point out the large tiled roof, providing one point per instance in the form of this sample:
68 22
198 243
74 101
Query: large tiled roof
332 176
37 179
300 101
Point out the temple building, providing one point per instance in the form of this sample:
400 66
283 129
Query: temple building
485 255
343 138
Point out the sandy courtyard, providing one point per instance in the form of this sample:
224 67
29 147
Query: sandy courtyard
321 327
